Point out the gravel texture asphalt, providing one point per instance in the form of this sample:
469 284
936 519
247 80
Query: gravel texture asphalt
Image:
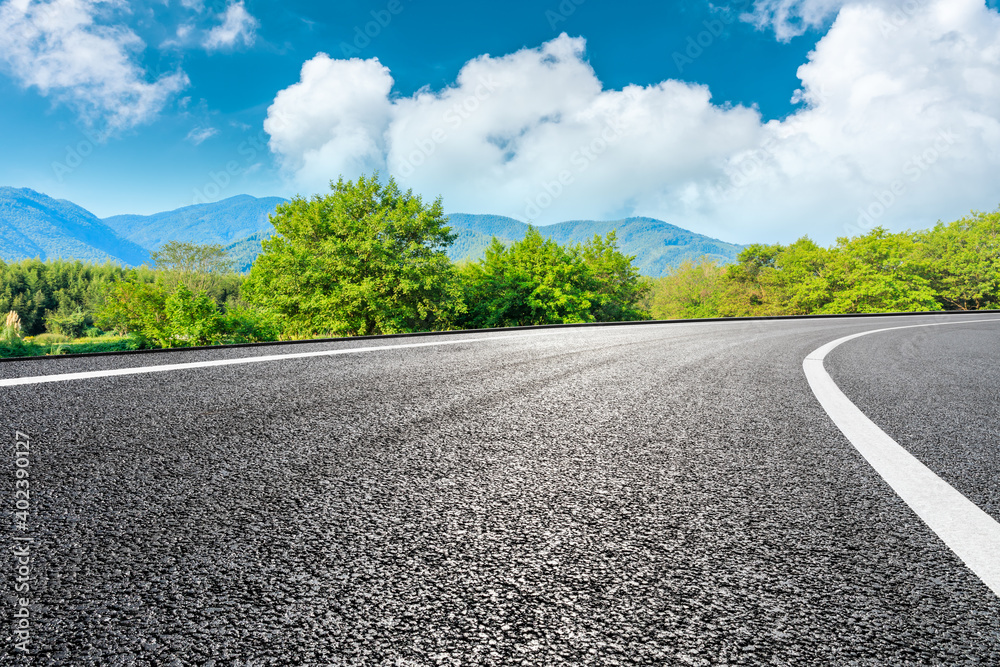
656 494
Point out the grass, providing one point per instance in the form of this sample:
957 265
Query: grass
54 344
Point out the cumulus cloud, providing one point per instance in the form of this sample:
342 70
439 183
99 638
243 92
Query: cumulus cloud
237 26
333 120
506 128
899 125
63 49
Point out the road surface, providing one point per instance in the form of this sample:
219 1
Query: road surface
653 494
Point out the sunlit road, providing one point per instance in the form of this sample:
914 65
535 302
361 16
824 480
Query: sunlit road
652 494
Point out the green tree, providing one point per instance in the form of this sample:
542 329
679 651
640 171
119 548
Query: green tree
71 324
769 280
193 319
138 309
207 268
800 283
533 281
617 289
878 272
962 261
688 291
192 258
747 289
365 259
39 290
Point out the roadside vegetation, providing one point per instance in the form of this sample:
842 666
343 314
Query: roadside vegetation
954 266
368 258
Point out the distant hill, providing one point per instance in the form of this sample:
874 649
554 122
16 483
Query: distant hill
657 245
36 225
245 251
226 222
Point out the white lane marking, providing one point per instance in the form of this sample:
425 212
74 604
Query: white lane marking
968 531
137 370
63 377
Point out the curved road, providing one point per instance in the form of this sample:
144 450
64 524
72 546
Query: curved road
654 494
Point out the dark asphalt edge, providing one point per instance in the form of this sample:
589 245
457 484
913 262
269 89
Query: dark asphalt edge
420 334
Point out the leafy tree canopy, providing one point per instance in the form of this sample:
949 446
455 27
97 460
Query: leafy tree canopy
365 259
537 281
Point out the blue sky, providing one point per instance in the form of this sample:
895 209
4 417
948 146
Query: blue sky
142 107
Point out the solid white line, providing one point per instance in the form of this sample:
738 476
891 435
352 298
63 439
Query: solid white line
63 377
968 531
137 370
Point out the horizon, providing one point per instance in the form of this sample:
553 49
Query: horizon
927 226
746 120
244 195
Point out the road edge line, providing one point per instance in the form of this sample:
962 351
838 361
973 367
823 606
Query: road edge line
971 534
162 368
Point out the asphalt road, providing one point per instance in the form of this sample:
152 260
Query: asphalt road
656 494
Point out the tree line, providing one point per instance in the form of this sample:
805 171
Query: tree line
954 266
368 258
365 259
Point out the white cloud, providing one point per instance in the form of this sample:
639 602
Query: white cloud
237 26
63 49
333 120
900 126
791 18
180 38
201 134
505 128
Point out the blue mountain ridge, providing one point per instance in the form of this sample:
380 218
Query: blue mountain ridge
226 222
657 246
35 225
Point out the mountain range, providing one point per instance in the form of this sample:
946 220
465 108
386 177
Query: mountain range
35 225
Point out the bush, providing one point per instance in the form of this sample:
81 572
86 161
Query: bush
118 344
19 349
158 316
51 339
193 319
71 324
245 325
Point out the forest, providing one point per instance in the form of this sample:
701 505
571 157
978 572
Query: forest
368 259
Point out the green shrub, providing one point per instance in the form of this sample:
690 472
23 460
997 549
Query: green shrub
20 349
71 324
118 344
240 324
51 339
